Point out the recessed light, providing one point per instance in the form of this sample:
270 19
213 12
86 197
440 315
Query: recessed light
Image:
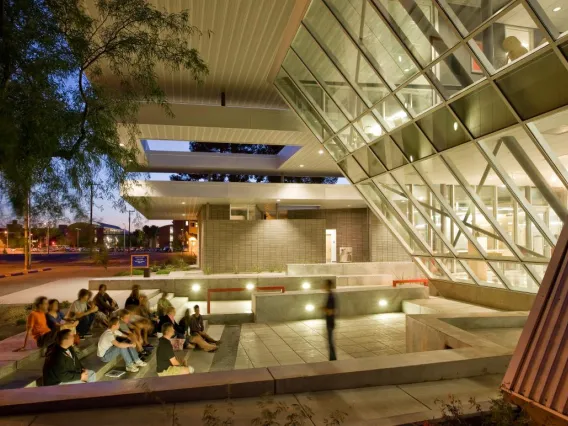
301 165
183 214
195 287
455 126
320 152
121 144
557 9
348 205
250 286
183 202
411 159
400 59
306 285
310 308
383 303
278 200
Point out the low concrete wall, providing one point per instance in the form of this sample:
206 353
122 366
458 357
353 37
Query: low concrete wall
291 306
400 270
485 296
182 287
364 280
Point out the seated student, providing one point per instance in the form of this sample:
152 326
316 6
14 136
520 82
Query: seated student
142 326
109 348
166 362
163 304
170 318
129 332
83 312
38 328
198 336
104 302
62 366
134 298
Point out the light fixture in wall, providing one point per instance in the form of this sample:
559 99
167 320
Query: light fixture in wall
195 287
411 159
278 200
320 152
183 202
250 286
455 126
183 214
301 165
557 9
383 303
348 205
306 286
310 308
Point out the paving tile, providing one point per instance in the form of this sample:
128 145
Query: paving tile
362 354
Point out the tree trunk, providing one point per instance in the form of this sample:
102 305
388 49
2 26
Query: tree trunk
27 236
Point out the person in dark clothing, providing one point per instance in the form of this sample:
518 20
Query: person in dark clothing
197 331
166 362
62 366
104 302
134 298
330 310
169 318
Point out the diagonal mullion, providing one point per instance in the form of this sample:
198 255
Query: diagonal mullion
481 206
501 276
418 205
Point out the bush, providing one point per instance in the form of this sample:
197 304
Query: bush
101 257
21 321
65 304
127 273
163 272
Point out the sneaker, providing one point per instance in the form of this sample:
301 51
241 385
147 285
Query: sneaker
132 368
86 335
191 370
148 346
141 363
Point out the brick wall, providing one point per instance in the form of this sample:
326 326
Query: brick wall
384 246
218 212
247 245
350 224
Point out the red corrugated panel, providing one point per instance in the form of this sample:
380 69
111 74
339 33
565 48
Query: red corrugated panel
537 376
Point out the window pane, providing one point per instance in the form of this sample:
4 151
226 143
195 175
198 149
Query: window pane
369 162
375 39
442 129
437 213
379 203
456 270
426 33
508 39
301 105
484 274
327 30
351 138
483 111
412 142
516 276
369 127
418 96
554 14
336 149
538 269
469 15
352 170
535 88
389 153
391 113
420 225
455 73
327 74
310 87
431 267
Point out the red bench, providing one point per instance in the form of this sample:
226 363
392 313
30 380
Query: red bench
412 281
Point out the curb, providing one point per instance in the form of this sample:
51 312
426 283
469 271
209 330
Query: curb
31 271
2 276
16 274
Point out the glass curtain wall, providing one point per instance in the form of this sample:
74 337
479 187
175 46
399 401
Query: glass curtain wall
451 119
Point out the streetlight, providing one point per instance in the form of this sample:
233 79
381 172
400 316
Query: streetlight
78 233
47 238
129 234
7 240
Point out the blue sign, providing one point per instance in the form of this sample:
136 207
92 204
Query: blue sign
141 261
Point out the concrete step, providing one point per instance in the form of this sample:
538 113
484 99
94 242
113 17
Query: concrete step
120 296
438 305
229 319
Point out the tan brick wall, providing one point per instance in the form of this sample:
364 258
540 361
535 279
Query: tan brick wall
230 245
384 246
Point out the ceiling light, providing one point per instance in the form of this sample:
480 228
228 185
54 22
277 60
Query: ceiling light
121 144
301 165
278 200
183 214
195 287
250 286
374 130
348 205
310 308
399 58
411 159
455 126
183 202
383 303
320 152
557 9
306 285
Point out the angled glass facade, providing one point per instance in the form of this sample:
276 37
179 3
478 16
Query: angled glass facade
451 119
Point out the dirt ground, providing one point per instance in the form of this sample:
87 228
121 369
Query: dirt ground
12 319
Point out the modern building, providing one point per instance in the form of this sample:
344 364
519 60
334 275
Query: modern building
449 119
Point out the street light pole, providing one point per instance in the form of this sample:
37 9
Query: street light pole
47 238
78 233
129 234
7 241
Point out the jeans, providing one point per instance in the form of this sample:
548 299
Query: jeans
85 323
332 356
91 377
129 355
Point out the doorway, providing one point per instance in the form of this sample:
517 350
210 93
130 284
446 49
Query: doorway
330 245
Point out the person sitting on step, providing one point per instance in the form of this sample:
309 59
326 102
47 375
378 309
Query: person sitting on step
134 298
109 348
198 336
83 312
140 325
37 325
166 362
130 333
180 333
163 304
62 365
104 302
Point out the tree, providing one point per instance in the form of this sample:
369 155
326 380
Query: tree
68 77
151 233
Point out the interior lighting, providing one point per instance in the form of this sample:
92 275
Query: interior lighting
399 58
383 303
195 287
183 202
557 9
278 201
301 165
411 159
121 144
320 152
310 308
455 126
306 285
250 286
374 130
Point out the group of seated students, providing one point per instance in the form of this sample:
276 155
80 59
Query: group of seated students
126 334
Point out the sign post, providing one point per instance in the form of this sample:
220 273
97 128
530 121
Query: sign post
139 261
